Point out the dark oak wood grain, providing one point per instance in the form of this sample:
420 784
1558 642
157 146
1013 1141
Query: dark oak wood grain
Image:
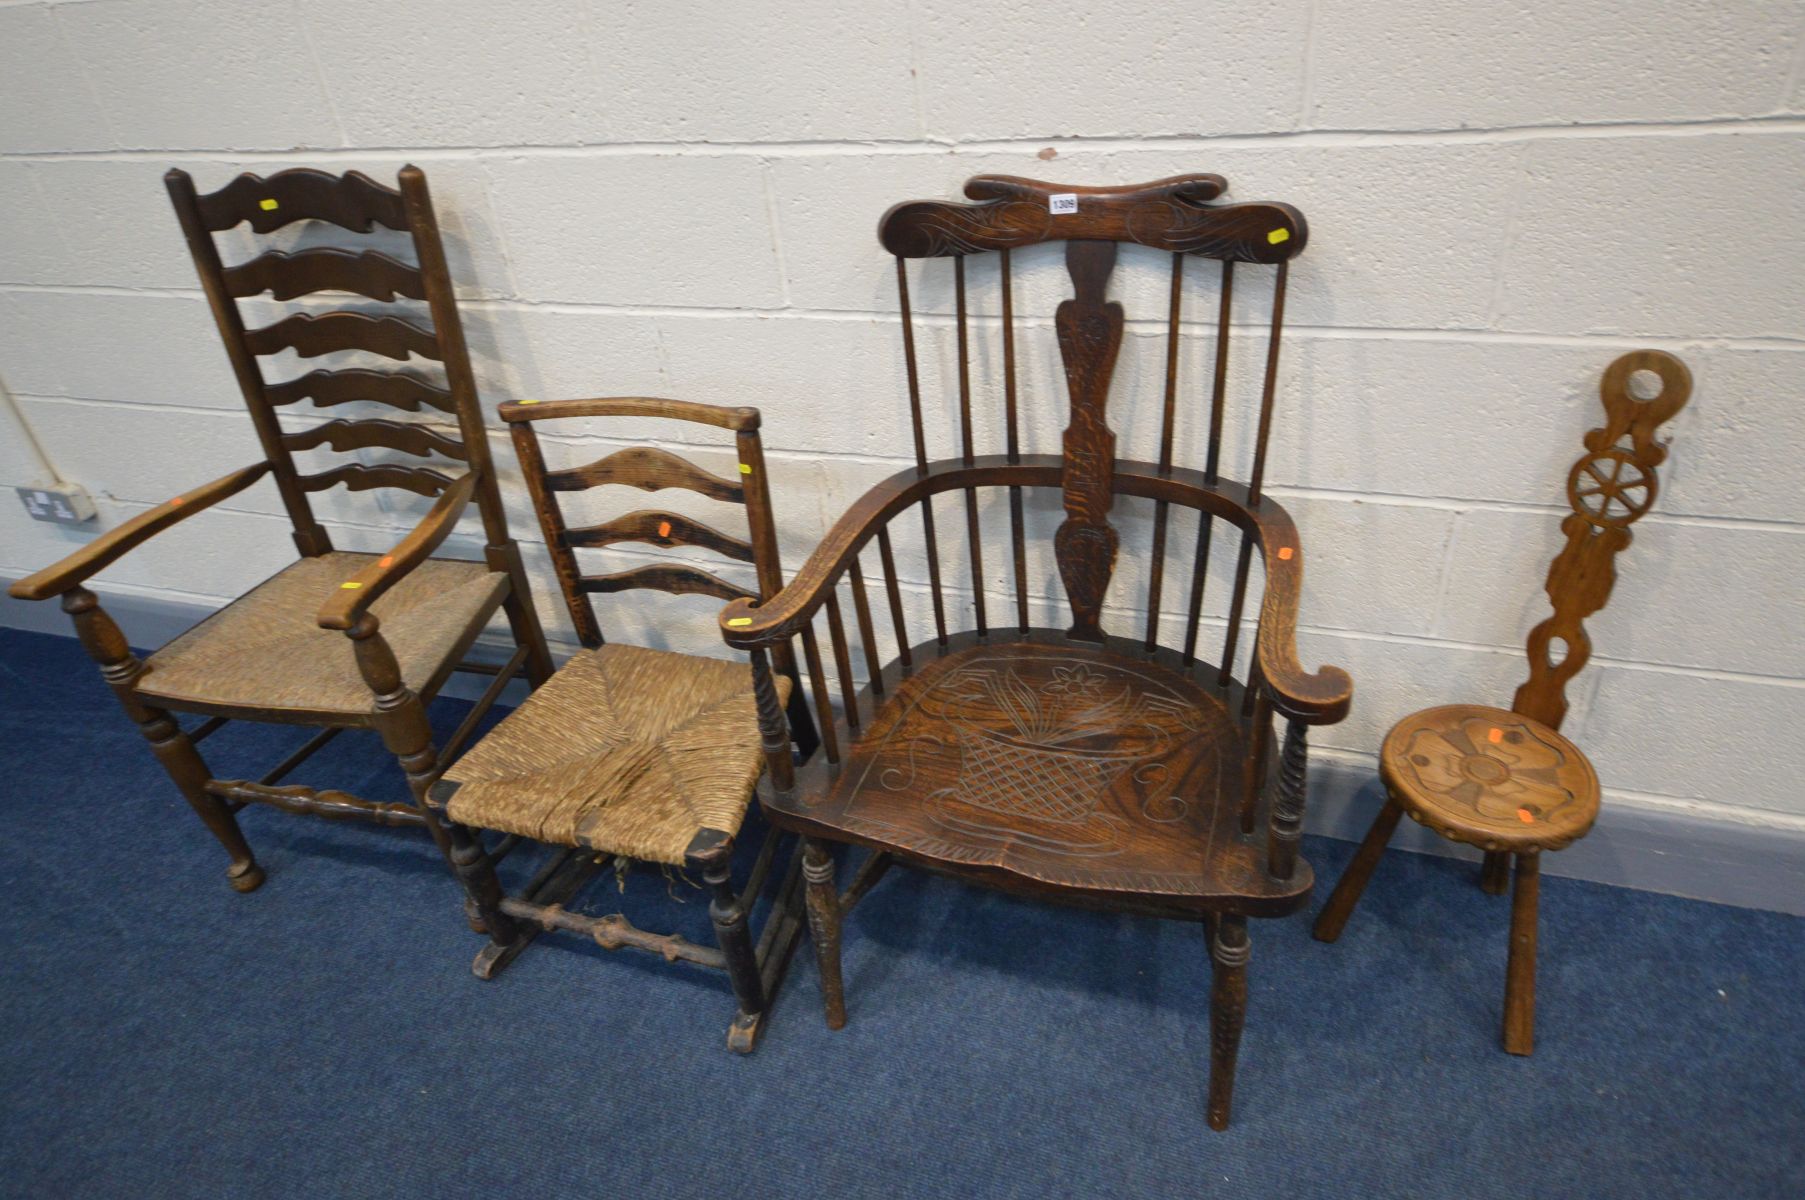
288 274
376 434
680 581
1169 214
659 528
1076 766
351 201
422 481
397 389
311 336
648 468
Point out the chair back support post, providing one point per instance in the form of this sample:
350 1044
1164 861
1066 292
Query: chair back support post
1609 489
454 353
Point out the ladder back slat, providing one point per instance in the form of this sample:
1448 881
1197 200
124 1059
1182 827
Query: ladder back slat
422 481
649 469
310 336
659 528
287 274
406 437
680 581
351 201
397 389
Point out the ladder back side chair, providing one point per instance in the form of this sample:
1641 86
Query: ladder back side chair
632 754
1507 781
1066 763
336 640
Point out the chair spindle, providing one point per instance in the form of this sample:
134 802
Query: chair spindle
1233 634
894 594
1258 475
973 536
1014 446
921 448
836 628
1157 570
811 655
861 608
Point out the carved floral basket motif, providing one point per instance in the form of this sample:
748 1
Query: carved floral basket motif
1038 756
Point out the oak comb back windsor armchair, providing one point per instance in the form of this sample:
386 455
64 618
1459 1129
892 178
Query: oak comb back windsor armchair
635 754
336 640
1065 763
1507 781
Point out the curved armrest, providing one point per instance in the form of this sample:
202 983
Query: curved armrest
736 419
1319 698
347 605
116 543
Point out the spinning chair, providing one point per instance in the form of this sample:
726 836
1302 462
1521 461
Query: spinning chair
632 754
337 640
1507 781
1066 764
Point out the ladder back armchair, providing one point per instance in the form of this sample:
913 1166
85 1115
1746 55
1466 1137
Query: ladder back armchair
336 640
1066 763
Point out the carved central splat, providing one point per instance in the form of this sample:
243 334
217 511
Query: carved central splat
1090 334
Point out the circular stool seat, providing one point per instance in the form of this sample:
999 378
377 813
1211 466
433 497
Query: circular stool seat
1491 778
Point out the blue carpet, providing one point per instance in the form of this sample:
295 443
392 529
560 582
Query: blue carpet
324 1037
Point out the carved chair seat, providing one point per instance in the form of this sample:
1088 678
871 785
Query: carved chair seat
1490 778
625 751
1093 769
265 652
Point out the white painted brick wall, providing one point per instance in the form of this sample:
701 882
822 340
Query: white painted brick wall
680 199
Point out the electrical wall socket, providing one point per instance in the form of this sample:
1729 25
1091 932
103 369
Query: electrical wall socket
61 504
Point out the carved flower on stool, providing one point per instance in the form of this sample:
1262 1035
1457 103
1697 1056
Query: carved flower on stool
1500 771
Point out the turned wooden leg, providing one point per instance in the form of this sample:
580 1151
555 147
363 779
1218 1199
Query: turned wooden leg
1229 951
824 927
729 917
405 730
1494 873
107 646
1520 971
1340 907
185 765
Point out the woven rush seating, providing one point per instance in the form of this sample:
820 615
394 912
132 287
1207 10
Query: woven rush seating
627 751
266 649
